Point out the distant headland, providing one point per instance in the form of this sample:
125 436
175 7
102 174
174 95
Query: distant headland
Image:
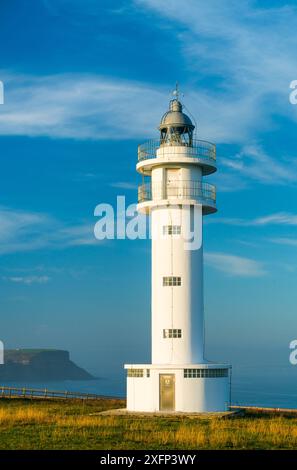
40 364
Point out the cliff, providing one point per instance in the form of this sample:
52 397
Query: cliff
40 364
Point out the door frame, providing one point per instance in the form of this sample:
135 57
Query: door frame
161 377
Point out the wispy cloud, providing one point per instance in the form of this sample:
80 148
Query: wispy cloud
22 231
279 218
27 280
284 241
237 46
79 106
77 235
124 185
86 177
240 87
227 181
84 106
254 163
235 265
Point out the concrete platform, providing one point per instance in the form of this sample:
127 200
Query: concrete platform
169 414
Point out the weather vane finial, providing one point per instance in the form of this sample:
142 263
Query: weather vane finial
176 91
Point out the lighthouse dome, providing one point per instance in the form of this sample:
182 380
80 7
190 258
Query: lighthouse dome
175 117
176 128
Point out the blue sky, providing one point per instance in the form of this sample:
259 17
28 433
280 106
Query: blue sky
85 82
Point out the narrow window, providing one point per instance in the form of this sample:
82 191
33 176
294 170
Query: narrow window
135 372
171 281
172 333
171 229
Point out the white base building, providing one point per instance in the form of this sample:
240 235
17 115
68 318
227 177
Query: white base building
188 388
179 378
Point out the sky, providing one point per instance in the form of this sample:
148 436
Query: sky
85 82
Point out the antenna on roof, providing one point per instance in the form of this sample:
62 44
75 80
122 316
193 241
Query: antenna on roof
176 91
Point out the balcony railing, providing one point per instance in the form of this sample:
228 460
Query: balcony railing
196 149
204 193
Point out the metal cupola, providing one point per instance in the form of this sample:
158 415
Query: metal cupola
175 126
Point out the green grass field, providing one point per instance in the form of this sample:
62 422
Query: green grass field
71 424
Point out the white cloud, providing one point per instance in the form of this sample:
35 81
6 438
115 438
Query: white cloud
83 106
249 51
124 185
234 265
279 218
284 241
242 71
254 163
28 280
12 221
227 182
77 235
22 231
79 106
86 177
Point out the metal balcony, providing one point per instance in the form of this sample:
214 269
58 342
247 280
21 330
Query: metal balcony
196 149
203 193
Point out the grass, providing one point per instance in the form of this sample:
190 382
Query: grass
71 424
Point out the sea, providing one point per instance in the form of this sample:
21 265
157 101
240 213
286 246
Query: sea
269 386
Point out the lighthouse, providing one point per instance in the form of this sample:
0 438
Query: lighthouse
175 195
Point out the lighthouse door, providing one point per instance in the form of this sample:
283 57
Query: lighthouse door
167 392
172 183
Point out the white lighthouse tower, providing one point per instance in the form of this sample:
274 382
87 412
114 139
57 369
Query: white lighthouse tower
176 197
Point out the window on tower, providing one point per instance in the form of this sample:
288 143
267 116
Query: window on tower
135 372
172 333
171 229
205 373
171 281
